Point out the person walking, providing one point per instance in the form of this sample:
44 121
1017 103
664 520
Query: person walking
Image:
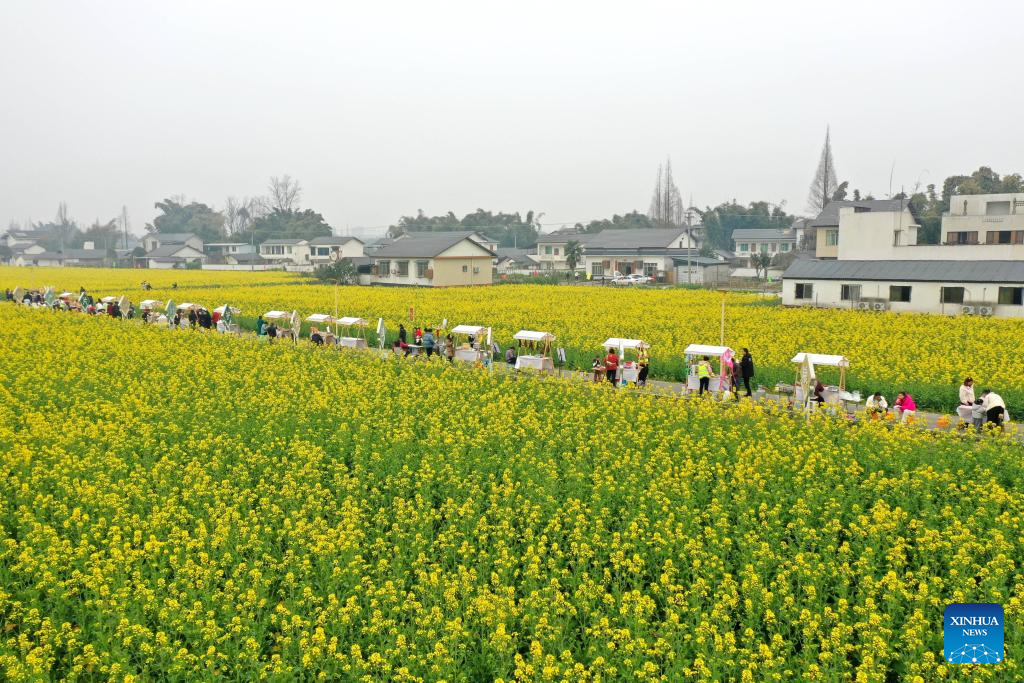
401 333
704 375
611 366
428 342
260 324
449 348
643 359
995 408
746 369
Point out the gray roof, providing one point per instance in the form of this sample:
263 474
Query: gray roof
763 234
281 241
246 257
563 236
172 237
639 238
328 240
1011 272
425 245
829 217
698 261
167 250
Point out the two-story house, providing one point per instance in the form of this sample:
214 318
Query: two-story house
433 259
330 248
286 251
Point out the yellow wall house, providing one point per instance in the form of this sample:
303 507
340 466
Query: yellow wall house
434 259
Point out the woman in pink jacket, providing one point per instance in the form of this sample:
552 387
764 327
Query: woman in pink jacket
905 406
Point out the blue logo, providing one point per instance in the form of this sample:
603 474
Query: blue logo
973 633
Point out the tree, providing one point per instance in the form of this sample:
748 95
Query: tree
103 235
630 221
194 217
573 254
508 229
299 225
840 193
761 262
343 272
824 184
666 202
721 221
284 193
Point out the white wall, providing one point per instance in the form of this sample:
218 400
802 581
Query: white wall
925 297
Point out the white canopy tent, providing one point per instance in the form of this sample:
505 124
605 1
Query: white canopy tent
221 309
65 295
540 344
320 318
276 315
629 371
356 340
108 300
696 352
185 307
466 351
806 363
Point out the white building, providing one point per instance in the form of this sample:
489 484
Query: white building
330 248
433 259
155 240
174 256
750 241
960 287
286 251
223 249
627 251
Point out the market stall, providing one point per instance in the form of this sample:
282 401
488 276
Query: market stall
352 332
281 317
807 371
226 316
471 343
723 355
149 307
629 370
534 350
326 320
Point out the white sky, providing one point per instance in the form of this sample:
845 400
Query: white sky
383 108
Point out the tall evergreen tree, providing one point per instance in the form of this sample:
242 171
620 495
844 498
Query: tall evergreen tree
825 183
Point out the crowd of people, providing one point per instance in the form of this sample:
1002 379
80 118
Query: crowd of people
977 411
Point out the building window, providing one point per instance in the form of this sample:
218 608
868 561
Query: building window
556 251
896 238
997 208
1011 296
476 270
744 246
952 295
785 247
384 268
403 268
831 238
804 290
962 237
651 269
899 293
465 269
597 269
850 293
764 248
1004 237
421 268
289 250
547 250
775 247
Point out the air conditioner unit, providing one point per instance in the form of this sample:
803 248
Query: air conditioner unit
863 305
880 306
986 310
967 310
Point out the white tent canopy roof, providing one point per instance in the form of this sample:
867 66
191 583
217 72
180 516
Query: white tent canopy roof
220 309
705 350
469 329
150 303
348 321
185 307
108 299
822 359
64 294
319 318
531 335
276 315
619 343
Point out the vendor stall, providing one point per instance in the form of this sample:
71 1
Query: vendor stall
807 372
471 343
149 310
352 332
722 354
629 370
280 318
327 332
534 350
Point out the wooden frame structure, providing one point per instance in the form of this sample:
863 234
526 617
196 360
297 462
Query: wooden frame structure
698 351
471 353
621 345
537 341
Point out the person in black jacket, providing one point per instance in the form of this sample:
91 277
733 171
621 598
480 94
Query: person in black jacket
747 369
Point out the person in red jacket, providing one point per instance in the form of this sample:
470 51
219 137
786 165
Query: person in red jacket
611 366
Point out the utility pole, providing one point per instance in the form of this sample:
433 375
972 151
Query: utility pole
124 225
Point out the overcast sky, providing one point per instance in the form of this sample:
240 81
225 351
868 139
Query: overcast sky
383 108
